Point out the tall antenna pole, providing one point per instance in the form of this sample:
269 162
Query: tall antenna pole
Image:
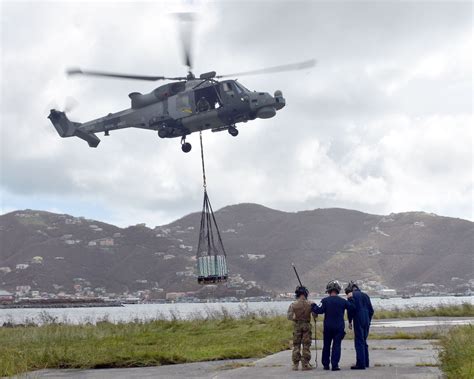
296 272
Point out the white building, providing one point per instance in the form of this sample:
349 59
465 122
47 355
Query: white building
387 292
254 257
168 256
37 260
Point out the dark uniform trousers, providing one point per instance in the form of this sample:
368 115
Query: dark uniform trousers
332 337
361 333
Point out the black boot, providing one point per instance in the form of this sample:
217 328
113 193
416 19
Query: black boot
326 367
336 368
355 367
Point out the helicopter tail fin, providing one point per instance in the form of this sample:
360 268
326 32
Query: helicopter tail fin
67 128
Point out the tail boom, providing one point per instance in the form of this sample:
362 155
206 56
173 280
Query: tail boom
67 128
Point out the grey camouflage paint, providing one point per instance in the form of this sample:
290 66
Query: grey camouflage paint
159 110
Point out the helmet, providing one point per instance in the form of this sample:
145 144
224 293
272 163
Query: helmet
351 286
301 290
333 285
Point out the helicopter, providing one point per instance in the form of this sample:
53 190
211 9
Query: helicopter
186 105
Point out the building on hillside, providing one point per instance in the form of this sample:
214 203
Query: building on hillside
168 256
37 260
106 241
22 290
5 269
387 292
6 297
174 295
22 266
254 257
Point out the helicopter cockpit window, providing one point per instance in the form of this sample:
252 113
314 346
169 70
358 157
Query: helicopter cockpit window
241 88
227 87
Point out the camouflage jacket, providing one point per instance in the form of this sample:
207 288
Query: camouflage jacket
300 310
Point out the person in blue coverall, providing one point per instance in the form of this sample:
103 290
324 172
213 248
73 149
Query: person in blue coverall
361 316
333 308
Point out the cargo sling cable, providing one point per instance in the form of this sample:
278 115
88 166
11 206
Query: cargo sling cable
211 255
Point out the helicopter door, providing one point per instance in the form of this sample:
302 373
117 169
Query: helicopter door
206 99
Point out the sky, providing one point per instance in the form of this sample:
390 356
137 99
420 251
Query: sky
382 123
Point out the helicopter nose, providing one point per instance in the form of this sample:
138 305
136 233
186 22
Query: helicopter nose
279 100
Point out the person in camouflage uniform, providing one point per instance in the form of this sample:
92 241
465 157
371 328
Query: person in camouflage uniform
300 313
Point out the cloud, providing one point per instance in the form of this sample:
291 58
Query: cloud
382 124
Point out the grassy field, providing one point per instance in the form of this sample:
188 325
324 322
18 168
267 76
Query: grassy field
457 353
139 344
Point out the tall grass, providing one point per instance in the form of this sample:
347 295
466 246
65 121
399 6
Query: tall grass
464 309
457 353
138 344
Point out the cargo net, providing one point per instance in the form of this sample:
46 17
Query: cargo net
211 256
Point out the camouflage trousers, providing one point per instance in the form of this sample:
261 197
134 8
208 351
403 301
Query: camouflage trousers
301 336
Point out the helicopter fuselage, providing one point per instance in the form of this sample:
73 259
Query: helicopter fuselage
178 109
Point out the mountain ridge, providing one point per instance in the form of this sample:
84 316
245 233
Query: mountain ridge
401 250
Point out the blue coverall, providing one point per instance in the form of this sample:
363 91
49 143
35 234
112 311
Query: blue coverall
362 316
333 308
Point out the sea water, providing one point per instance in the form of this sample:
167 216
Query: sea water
144 312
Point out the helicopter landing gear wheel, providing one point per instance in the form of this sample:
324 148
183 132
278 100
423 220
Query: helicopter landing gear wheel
233 131
185 146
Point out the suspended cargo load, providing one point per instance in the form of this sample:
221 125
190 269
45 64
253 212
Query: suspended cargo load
211 256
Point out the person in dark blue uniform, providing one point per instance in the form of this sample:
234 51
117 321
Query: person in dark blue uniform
333 308
362 316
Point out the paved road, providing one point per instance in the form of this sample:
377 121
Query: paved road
418 325
389 359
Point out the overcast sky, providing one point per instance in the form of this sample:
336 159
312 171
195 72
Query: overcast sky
382 124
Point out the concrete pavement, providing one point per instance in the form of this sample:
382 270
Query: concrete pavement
389 359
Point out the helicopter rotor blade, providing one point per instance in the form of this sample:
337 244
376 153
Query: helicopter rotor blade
275 69
70 104
78 71
67 105
186 31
